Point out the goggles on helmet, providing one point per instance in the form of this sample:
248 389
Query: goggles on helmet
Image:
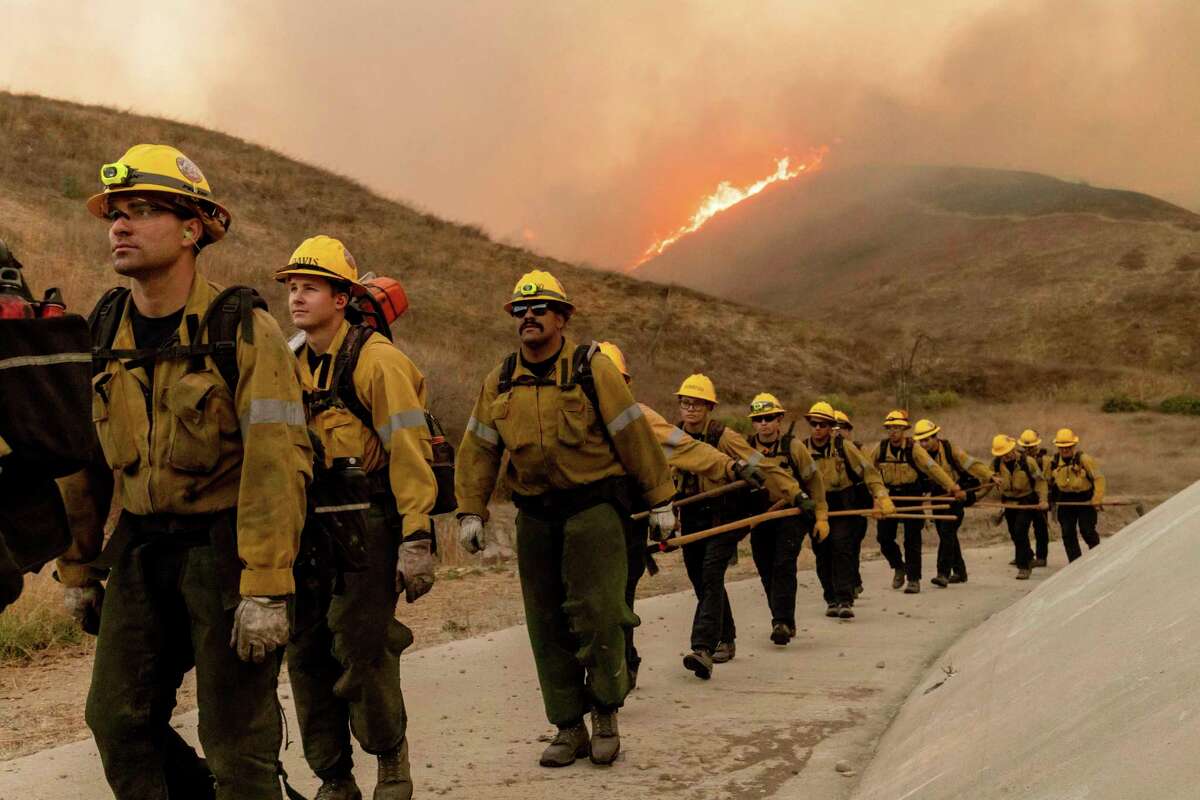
117 174
759 406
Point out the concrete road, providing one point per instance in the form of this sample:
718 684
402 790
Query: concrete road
1087 688
775 722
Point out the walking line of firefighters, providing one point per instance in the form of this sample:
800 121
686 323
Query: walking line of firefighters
208 424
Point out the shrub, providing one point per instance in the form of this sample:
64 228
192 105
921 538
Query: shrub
937 399
1181 404
739 424
1121 404
35 623
837 401
1188 263
1133 260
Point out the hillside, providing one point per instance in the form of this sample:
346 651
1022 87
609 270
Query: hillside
1020 279
457 279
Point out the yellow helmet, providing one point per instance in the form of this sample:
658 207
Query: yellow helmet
1002 444
324 257
162 169
538 285
925 428
616 356
765 404
1029 438
897 418
842 419
1065 438
698 386
822 411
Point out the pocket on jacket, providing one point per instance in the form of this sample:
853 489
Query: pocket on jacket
111 416
516 430
573 418
195 438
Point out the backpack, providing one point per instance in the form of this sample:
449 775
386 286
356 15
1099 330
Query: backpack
1022 465
783 447
964 478
580 375
341 393
905 452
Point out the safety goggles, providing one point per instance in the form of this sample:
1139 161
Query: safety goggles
759 406
116 175
538 309
142 209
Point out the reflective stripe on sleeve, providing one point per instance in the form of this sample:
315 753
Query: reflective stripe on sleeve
401 420
45 361
622 420
481 431
755 458
264 411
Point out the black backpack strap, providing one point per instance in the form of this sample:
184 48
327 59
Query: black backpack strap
231 311
785 447
840 447
507 368
341 382
103 322
581 373
716 429
952 460
881 453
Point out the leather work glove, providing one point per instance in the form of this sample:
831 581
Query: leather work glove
260 625
885 506
821 529
751 474
470 533
414 572
662 522
804 503
83 603
958 493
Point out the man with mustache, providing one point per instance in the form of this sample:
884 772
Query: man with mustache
576 441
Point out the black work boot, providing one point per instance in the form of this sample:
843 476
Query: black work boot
940 580
395 776
958 577
725 652
1023 573
700 662
606 739
898 579
781 634
845 611
913 587
570 743
339 789
831 610
1038 562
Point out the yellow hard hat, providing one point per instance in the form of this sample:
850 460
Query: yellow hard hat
324 257
1065 438
897 418
925 428
698 386
822 411
1002 444
538 285
765 404
616 356
1029 438
161 169
842 419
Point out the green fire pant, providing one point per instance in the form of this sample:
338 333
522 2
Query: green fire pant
163 615
573 578
345 669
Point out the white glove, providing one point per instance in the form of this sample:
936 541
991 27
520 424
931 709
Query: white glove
260 625
83 604
470 533
662 522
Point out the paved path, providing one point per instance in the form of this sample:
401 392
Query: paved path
772 723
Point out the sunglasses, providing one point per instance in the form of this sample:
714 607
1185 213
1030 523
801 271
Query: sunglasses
538 309
770 418
820 424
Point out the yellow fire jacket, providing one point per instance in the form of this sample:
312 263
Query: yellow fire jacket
803 469
833 468
688 454
554 437
897 470
393 390
1016 482
1077 475
781 485
966 462
181 444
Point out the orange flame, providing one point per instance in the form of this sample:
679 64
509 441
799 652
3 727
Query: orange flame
727 196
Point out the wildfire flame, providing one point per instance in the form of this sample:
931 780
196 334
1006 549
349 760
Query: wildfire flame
727 196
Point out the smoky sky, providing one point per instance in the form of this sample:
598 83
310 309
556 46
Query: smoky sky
587 130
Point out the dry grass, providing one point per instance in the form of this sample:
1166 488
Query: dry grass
37 623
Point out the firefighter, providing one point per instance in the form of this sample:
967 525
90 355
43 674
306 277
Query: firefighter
714 633
844 430
1022 484
1075 478
576 439
1030 444
200 420
366 406
970 473
851 482
683 453
775 545
905 470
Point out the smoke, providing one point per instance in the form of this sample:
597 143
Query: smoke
589 130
